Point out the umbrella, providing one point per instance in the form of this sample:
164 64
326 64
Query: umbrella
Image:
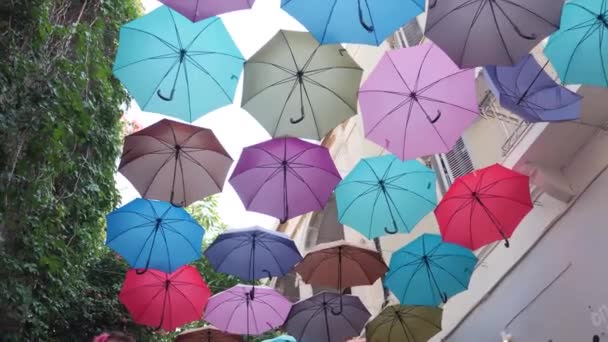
175 162
312 320
402 323
294 86
384 195
207 334
196 10
282 338
234 310
526 90
479 32
285 177
348 21
578 50
175 67
427 271
484 206
154 234
416 102
164 300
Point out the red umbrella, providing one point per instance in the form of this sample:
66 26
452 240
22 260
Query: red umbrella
165 300
484 206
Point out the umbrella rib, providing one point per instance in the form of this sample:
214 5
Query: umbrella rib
331 13
372 169
434 83
153 178
234 249
280 67
447 103
421 318
125 291
364 193
488 186
448 272
293 58
312 316
174 230
157 152
531 12
162 233
433 125
138 315
394 178
395 187
169 45
143 225
586 36
473 22
307 63
491 196
153 209
263 244
293 88
277 83
407 124
371 218
179 38
588 10
272 155
453 10
207 53
415 89
217 19
261 301
398 73
463 206
160 82
312 81
393 110
165 56
295 174
120 211
321 70
355 330
498 30
601 41
190 158
272 175
314 117
402 297
203 70
299 154
188 94
233 312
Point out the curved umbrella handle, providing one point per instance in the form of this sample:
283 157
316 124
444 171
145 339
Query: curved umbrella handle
432 4
368 28
267 273
507 243
166 98
298 120
140 271
521 34
435 119
391 232
339 312
444 297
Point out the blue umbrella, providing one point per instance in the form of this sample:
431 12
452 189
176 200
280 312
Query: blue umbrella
384 195
154 234
353 21
526 90
282 338
175 67
427 271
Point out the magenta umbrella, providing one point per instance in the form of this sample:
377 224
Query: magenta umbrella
285 177
197 10
417 102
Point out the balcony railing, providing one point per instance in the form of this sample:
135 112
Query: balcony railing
514 138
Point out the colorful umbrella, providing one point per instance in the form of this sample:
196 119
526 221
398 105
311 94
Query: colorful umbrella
402 323
294 86
348 21
154 234
384 195
207 334
162 300
175 67
526 90
498 32
196 10
175 162
285 177
416 102
282 338
484 206
578 50
428 271
312 320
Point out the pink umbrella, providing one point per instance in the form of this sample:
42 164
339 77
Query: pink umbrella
417 102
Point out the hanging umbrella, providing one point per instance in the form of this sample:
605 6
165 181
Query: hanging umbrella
312 320
175 67
285 177
416 102
348 21
154 234
384 195
578 50
207 334
499 32
484 206
526 90
162 300
428 271
196 10
294 86
402 323
175 162
282 338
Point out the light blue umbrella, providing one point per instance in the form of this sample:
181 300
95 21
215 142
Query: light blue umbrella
175 67
282 338
384 195
428 271
353 21
579 49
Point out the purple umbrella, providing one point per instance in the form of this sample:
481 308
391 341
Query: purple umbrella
526 90
417 102
285 177
197 10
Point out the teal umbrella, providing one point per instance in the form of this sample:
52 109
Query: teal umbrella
282 338
384 195
175 67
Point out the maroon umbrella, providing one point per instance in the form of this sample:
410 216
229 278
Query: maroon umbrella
175 162
207 334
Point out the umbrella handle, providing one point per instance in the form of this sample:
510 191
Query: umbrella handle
169 98
507 243
298 120
391 232
435 119
432 4
444 297
339 312
368 28
140 271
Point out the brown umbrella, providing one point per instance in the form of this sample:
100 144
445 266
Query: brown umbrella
207 334
175 162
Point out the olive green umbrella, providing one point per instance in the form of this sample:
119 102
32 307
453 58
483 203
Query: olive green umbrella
404 323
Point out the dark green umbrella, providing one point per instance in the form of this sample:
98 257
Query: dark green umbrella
404 323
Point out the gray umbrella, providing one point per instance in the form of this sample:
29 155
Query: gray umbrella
295 86
490 32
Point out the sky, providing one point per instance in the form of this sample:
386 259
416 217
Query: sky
233 126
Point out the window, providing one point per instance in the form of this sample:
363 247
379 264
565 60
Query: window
452 165
408 35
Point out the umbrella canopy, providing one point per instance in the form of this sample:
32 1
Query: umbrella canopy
285 177
428 271
417 102
196 10
154 234
294 86
207 334
175 162
526 90
175 67
162 300
499 32
235 311
384 195
282 338
402 323
347 21
253 253
578 50
312 320
484 206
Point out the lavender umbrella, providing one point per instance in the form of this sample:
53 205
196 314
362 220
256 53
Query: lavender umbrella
196 10
417 102
526 90
285 177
